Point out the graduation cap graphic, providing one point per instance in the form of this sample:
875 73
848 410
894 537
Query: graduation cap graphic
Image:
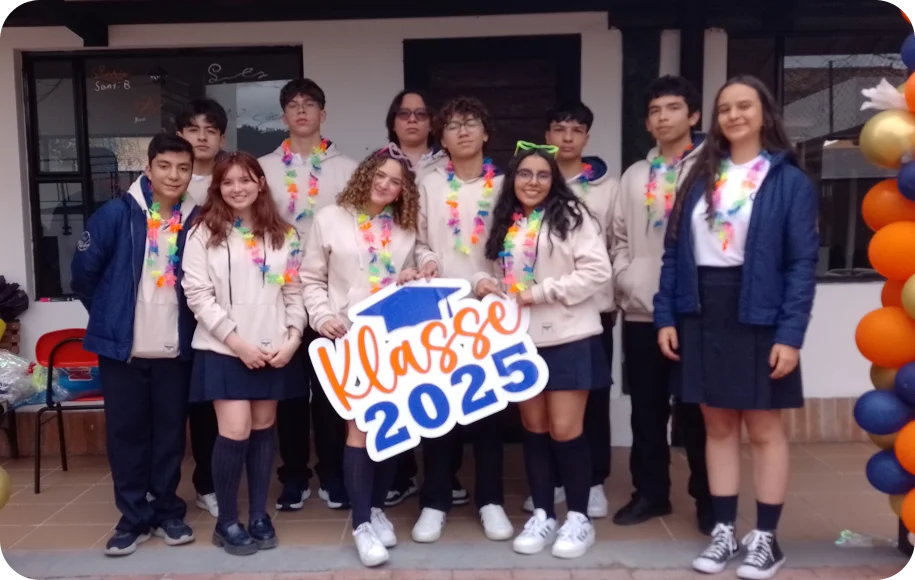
411 305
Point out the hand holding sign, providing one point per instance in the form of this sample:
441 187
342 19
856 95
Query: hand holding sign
421 358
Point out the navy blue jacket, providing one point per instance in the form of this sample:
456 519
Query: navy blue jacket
779 270
106 272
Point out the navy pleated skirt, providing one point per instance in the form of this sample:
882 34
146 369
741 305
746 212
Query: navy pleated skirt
724 363
577 366
219 377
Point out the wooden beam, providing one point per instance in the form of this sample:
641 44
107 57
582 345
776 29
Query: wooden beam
86 21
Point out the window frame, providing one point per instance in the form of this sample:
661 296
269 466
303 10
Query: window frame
36 177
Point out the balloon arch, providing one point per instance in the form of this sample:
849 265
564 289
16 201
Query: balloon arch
886 336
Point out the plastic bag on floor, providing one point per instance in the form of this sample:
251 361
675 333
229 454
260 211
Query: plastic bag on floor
16 386
850 539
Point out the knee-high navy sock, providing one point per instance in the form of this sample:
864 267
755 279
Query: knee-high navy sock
259 464
384 477
538 464
228 462
574 459
359 477
767 516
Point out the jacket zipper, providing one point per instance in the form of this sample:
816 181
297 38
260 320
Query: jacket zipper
133 273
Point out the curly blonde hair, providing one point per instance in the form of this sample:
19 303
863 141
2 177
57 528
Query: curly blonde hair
359 189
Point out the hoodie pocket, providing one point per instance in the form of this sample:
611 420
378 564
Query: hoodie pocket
259 325
155 331
638 284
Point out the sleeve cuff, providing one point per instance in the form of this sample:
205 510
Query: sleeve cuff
539 294
222 330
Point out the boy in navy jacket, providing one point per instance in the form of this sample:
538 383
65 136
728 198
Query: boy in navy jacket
127 273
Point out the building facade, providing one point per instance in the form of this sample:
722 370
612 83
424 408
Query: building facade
86 83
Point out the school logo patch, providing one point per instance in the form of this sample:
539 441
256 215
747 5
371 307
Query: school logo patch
84 242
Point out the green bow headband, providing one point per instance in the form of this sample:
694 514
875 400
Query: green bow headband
528 146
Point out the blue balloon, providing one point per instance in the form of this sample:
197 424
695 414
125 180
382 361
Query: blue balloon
882 412
885 473
906 180
908 52
905 384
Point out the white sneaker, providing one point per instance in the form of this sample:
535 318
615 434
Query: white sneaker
537 533
575 537
208 504
371 551
597 503
384 529
559 496
428 527
496 524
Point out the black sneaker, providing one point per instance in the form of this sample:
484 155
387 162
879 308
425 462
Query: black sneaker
401 491
262 532
175 532
234 540
722 550
764 556
293 497
459 495
334 494
124 543
639 510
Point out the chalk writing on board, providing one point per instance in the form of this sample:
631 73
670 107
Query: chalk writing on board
109 79
246 74
147 106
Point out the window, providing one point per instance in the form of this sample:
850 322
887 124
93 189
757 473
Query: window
818 81
517 78
91 117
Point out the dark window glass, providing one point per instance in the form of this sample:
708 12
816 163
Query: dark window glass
53 101
61 212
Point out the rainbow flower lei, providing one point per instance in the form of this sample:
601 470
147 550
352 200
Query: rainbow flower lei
584 178
257 255
291 174
383 256
484 205
153 225
670 187
722 222
534 222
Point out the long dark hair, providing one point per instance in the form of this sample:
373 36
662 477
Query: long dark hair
717 148
395 106
562 209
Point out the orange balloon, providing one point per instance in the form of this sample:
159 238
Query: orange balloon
905 447
910 92
908 511
892 293
886 337
884 205
892 251
906 16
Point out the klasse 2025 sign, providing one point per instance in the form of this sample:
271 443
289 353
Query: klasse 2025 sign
423 357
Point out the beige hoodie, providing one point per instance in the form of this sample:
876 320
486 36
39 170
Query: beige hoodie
155 323
226 291
335 269
333 175
637 246
435 240
429 163
568 276
196 189
599 192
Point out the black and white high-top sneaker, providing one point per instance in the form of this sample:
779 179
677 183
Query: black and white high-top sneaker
764 557
721 550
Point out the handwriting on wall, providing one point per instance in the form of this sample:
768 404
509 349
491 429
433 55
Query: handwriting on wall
109 79
246 74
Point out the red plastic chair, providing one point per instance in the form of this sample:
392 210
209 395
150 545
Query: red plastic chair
61 348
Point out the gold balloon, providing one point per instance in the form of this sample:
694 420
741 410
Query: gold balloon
883 379
2 328
887 137
6 488
883 441
896 504
908 296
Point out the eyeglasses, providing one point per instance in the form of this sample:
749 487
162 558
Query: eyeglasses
295 106
528 146
420 114
528 175
469 124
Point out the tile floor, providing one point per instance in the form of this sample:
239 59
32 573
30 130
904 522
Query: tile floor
828 494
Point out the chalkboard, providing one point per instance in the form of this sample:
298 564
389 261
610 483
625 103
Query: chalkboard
123 101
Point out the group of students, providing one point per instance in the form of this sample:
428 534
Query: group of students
206 282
